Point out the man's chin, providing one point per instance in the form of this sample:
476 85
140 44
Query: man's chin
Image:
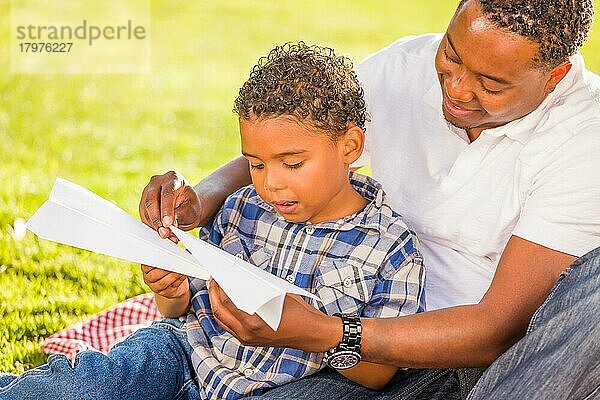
457 124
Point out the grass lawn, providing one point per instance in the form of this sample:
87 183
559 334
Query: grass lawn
111 132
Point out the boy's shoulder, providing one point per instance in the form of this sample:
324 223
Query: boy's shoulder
380 216
242 196
244 205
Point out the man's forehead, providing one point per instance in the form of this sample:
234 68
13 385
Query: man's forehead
487 48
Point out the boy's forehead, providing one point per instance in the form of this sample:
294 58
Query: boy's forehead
277 137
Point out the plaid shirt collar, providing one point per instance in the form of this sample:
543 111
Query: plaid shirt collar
368 218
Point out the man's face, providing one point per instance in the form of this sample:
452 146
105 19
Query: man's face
300 172
486 73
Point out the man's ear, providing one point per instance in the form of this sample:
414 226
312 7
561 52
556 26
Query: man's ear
352 144
557 75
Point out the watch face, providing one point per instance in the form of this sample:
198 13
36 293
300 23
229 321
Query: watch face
344 359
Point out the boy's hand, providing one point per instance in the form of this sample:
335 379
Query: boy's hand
170 285
168 200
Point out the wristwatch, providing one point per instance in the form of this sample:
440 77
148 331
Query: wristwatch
347 353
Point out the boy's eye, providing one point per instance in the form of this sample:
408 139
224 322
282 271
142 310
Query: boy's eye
257 166
293 166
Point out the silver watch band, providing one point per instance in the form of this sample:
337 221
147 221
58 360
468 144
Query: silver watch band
347 353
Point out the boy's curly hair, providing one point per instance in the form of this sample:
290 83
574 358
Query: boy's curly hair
310 83
560 27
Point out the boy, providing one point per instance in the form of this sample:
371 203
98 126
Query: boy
304 219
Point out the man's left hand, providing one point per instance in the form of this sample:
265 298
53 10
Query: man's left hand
302 326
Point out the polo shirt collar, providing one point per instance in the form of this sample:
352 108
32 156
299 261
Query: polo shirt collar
371 217
520 129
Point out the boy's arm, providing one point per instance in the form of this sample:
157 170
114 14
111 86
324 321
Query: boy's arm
171 291
369 375
173 308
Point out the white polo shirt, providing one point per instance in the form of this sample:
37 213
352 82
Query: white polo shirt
537 177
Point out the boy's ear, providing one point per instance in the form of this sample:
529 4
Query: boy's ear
352 144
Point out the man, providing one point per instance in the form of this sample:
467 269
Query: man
488 141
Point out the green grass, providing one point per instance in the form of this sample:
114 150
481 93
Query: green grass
110 133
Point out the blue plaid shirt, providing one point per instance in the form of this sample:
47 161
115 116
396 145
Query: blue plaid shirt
366 264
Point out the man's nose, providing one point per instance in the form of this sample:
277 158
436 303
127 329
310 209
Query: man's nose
459 87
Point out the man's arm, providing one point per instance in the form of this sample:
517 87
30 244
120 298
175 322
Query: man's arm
168 198
463 336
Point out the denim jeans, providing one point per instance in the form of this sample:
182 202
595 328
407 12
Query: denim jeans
559 357
150 364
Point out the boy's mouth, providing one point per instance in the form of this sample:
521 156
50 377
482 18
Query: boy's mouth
285 207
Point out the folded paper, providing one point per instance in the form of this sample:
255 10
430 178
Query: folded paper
77 217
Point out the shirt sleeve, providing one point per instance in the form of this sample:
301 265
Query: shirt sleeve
400 283
562 206
213 234
213 231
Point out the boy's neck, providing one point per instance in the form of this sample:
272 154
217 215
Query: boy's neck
351 202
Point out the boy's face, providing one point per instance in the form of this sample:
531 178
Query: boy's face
301 172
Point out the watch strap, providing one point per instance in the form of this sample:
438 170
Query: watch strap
351 340
352 332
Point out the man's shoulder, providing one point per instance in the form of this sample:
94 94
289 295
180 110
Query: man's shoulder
571 121
404 50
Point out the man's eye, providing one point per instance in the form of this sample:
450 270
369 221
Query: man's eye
452 60
257 166
293 166
492 91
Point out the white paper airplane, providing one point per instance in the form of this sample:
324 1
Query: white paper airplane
77 217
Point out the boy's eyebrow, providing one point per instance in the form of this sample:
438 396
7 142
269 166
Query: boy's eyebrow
278 155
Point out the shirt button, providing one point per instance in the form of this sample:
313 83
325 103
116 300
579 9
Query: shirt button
290 278
310 230
347 282
248 371
240 255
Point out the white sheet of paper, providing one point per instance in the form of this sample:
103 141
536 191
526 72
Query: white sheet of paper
77 217
251 289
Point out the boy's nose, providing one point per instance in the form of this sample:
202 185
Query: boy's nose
273 182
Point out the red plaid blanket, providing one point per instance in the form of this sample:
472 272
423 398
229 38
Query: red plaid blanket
104 329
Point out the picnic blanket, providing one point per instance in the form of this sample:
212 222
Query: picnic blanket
105 329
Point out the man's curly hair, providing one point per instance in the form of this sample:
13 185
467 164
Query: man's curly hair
560 27
310 83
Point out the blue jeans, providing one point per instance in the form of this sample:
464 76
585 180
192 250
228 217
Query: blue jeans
559 357
150 364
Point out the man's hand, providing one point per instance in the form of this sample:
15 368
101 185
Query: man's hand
169 200
302 326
